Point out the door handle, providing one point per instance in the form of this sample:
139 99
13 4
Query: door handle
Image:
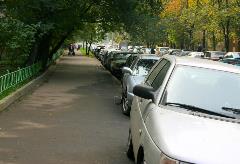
140 132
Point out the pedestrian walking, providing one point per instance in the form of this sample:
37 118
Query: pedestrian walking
71 50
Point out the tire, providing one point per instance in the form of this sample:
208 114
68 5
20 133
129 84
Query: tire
140 157
130 153
125 108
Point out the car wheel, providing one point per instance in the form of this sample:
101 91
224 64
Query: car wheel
130 153
140 158
125 108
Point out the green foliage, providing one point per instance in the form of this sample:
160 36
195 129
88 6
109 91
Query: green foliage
83 52
186 24
16 40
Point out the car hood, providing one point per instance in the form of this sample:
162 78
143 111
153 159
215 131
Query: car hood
194 138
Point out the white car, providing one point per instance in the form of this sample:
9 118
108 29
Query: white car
196 54
187 111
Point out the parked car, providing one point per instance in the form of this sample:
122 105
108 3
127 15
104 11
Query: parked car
109 58
105 56
97 51
187 111
118 61
160 51
184 53
175 52
130 59
134 75
232 58
196 54
214 55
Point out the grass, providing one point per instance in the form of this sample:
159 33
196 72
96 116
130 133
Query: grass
83 52
13 89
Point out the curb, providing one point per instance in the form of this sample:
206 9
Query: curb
26 89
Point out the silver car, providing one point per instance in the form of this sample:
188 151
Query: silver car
133 76
187 111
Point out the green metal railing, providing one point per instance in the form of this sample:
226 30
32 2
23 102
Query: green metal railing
12 79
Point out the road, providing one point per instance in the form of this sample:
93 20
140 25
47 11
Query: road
71 118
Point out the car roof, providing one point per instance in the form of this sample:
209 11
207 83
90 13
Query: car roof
203 63
148 56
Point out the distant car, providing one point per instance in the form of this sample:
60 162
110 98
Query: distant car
175 52
109 58
162 50
214 55
134 75
185 53
232 58
105 56
196 54
187 111
118 61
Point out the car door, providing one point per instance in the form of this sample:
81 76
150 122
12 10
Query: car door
141 106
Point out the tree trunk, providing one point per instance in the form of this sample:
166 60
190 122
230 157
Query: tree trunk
61 41
86 48
226 33
204 40
89 47
43 51
214 41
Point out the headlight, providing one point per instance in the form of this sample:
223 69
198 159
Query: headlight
167 160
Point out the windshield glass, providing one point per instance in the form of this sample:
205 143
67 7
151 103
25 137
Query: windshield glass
143 66
205 88
119 56
218 53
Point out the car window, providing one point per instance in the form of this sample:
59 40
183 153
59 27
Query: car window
229 56
134 63
143 66
155 72
195 86
119 56
161 76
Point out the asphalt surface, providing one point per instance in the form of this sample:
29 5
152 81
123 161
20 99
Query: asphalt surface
71 118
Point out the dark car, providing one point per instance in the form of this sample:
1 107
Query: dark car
232 58
109 58
118 61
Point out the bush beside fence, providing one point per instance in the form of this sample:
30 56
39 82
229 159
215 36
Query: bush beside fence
12 79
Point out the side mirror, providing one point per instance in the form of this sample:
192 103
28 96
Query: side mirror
126 70
202 56
144 91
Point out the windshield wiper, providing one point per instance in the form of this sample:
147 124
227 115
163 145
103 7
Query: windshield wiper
196 109
234 110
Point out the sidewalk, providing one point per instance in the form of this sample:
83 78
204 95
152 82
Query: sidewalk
70 119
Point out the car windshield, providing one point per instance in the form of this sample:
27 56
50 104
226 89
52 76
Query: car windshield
214 54
143 66
218 53
164 49
212 90
130 60
119 56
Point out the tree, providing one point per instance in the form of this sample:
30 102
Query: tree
55 20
